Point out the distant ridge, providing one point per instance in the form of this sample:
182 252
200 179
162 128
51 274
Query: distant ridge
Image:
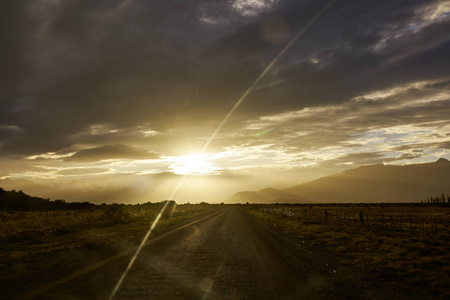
442 161
29 187
380 183
366 184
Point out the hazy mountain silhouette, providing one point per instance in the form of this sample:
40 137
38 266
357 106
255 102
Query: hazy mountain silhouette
269 195
380 183
28 187
71 194
374 183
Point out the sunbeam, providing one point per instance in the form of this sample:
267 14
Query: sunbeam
211 138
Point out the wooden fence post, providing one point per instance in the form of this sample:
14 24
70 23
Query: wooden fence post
423 229
361 218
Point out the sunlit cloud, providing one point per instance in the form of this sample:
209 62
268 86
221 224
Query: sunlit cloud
387 93
117 151
195 164
435 12
425 16
252 7
33 175
10 128
51 156
126 93
365 128
84 171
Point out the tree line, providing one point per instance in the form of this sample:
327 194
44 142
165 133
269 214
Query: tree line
19 201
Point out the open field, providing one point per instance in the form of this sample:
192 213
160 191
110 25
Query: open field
225 255
422 221
40 247
404 243
50 245
25 226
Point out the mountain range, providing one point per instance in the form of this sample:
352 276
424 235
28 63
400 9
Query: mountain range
366 184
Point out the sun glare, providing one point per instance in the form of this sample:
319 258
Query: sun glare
195 164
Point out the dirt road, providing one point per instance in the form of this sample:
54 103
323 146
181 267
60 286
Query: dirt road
227 256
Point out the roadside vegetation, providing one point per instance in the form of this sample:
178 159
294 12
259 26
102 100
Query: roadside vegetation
27 232
48 244
405 243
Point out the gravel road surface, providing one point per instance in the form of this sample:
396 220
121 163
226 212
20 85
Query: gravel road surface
227 256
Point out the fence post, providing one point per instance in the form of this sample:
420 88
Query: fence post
361 218
326 216
423 229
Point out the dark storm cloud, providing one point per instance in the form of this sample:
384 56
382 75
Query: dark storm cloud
68 65
445 145
337 59
118 151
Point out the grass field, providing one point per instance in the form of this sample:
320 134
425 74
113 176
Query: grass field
408 244
36 245
37 226
411 258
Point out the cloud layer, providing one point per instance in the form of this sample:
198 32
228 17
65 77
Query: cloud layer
125 87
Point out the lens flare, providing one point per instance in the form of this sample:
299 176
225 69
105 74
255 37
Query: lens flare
261 133
197 162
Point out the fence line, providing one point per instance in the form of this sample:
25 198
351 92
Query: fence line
392 225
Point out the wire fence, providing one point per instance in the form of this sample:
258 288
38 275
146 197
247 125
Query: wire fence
414 221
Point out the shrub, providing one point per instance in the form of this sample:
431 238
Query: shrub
116 213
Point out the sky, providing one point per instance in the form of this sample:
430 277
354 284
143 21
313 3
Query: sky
109 93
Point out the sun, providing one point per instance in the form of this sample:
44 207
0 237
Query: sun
195 164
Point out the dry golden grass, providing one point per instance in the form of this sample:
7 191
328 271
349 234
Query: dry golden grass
35 246
25 233
413 261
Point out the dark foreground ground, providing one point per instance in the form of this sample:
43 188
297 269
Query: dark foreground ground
228 256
